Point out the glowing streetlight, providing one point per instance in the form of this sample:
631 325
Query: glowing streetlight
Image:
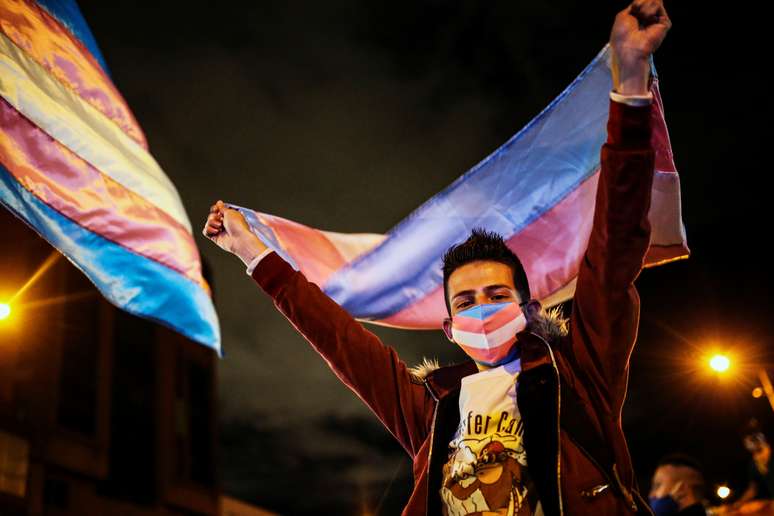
757 392
5 311
723 492
720 363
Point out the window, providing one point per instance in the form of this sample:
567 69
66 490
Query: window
194 421
132 456
200 423
77 409
14 464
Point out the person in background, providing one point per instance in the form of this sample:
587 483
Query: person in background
677 487
760 475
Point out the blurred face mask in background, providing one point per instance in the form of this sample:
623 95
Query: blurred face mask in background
664 506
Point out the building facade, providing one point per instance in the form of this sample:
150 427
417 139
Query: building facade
101 413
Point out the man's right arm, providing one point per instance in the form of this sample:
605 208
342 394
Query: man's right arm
358 357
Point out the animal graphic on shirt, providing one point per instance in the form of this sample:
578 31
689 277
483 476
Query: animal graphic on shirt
487 477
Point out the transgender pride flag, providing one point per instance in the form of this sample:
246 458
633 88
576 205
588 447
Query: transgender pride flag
537 190
75 166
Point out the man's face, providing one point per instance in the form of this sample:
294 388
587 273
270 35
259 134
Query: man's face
679 482
478 283
754 442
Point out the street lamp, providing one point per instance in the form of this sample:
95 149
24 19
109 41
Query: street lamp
723 492
5 311
720 363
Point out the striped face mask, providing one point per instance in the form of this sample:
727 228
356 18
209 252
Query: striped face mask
487 333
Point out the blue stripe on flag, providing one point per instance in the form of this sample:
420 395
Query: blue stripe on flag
515 185
265 233
69 15
132 282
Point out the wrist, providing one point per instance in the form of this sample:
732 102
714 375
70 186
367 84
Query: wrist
637 85
631 75
248 248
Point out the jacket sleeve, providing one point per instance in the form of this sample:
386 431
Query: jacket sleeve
373 371
605 312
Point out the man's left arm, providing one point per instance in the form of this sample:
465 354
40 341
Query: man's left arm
605 313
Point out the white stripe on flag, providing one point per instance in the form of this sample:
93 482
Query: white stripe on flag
80 127
352 245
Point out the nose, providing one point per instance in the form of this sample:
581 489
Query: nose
483 299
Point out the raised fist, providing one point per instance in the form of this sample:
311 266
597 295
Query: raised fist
228 229
637 32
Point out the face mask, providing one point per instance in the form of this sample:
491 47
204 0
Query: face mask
487 333
664 506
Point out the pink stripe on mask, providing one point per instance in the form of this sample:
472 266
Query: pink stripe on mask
479 331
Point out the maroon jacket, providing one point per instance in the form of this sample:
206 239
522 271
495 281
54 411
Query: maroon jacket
571 388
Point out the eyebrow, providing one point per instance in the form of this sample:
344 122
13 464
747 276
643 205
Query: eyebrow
487 289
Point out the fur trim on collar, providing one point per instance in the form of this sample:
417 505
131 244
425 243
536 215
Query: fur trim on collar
549 324
421 370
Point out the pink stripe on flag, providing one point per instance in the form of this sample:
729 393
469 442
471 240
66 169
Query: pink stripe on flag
314 254
543 247
74 188
52 46
551 247
660 137
426 314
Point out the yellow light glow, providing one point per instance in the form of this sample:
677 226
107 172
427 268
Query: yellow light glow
723 492
47 264
720 363
5 311
757 392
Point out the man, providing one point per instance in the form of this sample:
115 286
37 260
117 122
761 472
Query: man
677 487
543 436
760 474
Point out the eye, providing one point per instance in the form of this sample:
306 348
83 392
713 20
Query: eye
463 304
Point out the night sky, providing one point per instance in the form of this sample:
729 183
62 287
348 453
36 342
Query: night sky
347 115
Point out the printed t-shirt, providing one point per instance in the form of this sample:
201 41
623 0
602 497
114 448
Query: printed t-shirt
486 471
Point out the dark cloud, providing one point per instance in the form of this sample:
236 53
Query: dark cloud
315 465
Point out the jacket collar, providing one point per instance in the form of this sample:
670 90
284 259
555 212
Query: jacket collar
547 324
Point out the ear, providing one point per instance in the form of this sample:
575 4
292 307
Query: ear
532 309
447 329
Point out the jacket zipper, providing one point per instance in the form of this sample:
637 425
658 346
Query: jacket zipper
627 496
596 490
432 439
558 428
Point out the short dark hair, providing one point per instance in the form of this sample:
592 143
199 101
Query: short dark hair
680 459
488 246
